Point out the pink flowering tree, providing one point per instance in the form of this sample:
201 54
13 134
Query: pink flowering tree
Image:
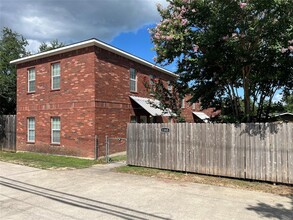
226 48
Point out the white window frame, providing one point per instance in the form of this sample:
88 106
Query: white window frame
183 103
29 71
133 80
55 76
193 106
152 77
170 87
31 129
53 129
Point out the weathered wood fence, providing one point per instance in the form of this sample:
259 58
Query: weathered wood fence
8 132
249 151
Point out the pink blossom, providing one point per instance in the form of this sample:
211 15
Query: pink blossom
184 21
193 10
242 4
290 41
284 50
290 48
195 48
157 36
234 35
169 37
225 37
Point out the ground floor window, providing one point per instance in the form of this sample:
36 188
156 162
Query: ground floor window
31 129
55 130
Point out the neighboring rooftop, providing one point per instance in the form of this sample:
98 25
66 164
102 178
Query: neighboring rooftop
88 43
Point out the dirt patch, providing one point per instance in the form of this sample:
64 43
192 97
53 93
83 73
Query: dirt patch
279 189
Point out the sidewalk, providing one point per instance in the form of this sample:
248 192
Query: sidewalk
98 193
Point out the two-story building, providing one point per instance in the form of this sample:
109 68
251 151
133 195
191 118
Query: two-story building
69 99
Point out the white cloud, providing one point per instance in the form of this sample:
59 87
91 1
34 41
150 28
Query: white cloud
74 20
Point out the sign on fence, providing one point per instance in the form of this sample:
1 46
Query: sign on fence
260 151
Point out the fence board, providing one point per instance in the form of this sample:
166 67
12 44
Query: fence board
8 132
251 151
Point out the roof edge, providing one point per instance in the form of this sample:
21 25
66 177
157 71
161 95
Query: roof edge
88 43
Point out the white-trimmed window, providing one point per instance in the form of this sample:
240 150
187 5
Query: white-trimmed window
193 106
133 80
55 76
182 103
31 83
152 77
55 130
31 129
170 87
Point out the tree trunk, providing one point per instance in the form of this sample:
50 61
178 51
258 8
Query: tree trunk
246 87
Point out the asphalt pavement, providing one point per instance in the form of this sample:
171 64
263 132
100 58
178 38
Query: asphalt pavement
99 193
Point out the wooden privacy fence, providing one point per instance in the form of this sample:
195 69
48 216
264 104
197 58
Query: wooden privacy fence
8 132
250 151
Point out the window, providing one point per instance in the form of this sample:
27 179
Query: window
133 80
143 119
31 129
133 119
55 74
182 103
193 106
55 130
170 87
31 75
152 77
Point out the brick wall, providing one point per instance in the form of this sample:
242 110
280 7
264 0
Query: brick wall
113 105
74 103
93 100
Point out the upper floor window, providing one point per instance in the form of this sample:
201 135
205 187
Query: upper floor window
182 103
170 87
133 83
31 75
55 75
152 77
31 129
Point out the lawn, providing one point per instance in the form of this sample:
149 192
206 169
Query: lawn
45 161
166 175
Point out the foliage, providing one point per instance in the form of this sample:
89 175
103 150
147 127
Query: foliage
12 46
223 47
54 44
170 96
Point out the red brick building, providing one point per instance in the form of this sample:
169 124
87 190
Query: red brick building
67 96
69 99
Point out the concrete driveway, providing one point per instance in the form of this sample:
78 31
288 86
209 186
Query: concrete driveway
98 193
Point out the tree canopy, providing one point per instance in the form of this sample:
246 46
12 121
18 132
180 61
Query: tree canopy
225 47
54 44
12 46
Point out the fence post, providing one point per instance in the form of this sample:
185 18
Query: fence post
107 149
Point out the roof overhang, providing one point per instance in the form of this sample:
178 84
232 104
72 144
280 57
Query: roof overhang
88 43
202 116
150 106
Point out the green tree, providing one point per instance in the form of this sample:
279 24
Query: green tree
12 46
223 47
54 44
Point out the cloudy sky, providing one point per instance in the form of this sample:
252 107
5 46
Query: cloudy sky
122 23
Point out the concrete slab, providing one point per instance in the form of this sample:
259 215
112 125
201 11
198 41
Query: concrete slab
98 193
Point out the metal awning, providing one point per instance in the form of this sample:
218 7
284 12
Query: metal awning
202 116
149 105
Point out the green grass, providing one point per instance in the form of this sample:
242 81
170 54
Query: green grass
45 161
279 189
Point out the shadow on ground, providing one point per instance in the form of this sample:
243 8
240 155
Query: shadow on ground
78 201
277 211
